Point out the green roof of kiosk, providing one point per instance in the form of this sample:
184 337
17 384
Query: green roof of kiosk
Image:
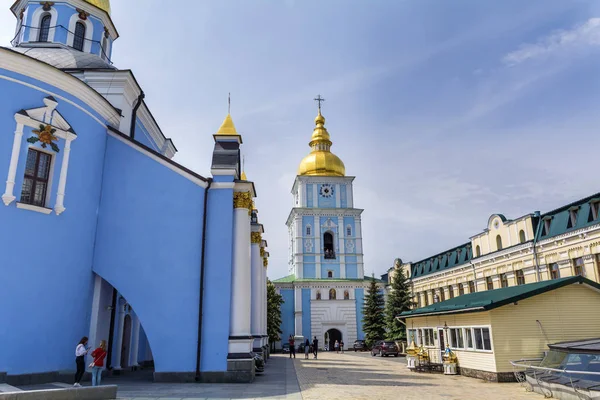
490 299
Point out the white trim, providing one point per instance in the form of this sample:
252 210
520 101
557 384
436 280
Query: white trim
24 65
31 207
89 32
9 196
223 172
59 208
36 20
159 160
222 185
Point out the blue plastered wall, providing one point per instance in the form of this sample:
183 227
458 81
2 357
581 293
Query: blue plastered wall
306 330
287 314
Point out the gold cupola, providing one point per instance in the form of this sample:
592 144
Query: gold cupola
321 161
101 4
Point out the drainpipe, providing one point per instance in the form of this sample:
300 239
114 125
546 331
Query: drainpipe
134 114
535 238
200 305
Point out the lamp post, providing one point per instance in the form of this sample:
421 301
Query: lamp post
449 358
446 334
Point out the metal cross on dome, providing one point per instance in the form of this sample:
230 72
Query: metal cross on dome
319 100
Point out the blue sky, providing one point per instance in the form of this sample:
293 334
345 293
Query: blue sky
446 112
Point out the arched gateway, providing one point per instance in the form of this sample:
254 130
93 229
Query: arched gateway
333 335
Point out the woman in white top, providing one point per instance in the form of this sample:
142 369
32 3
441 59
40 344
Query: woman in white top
80 352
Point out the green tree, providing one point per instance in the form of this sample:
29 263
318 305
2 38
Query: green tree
399 299
373 314
274 302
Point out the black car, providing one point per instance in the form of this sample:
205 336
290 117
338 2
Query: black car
360 345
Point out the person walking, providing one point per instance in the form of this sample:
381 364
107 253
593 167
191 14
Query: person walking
306 348
342 346
80 352
292 346
315 347
98 363
336 346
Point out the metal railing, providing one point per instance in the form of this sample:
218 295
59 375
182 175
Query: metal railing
530 367
15 41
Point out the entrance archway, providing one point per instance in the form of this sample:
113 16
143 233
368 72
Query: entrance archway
333 335
126 342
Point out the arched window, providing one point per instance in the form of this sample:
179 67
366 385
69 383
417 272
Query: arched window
522 236
330 274
346 295
79 38
328 245
308 230
318 295
332 294
44 28
498 242
477 251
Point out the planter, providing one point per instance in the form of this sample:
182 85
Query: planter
449 368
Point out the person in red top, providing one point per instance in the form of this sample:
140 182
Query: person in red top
98 364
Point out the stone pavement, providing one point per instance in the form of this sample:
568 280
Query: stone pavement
347 376
278 382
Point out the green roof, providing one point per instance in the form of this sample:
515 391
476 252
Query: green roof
292 278
490 299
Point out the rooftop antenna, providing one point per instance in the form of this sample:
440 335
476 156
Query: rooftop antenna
229 103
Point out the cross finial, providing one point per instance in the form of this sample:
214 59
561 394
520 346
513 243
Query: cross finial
229 104
319 100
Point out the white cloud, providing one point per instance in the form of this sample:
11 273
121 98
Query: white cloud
586 34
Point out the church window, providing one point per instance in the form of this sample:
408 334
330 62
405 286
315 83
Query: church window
330 274
318 295
346 295
44 28
37 172
498 242
348 231
79 36
332 294
477 251
522 236
308 230
328 245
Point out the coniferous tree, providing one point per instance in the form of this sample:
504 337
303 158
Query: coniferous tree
399 299
373 314
274 302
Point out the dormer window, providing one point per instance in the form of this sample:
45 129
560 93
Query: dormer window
593 210
477 251
498 242
546 226
522 238
573 212
44 28
79 38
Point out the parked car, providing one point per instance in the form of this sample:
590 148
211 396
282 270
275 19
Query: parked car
360 345
384 348
285 348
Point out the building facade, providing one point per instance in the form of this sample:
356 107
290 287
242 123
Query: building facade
104 235
324 293
535 247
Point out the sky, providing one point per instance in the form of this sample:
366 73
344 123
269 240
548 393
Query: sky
445 112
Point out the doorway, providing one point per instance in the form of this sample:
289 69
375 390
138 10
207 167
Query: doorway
328 245
333 335
442 343
126 342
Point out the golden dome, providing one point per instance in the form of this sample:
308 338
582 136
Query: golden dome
101 4
321 161
227 127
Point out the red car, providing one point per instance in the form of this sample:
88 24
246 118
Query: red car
384 348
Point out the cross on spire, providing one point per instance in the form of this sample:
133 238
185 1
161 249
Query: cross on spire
319 100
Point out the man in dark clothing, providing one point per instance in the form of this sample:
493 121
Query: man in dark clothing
315 346
292 347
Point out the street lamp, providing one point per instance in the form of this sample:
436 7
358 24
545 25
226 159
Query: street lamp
446 333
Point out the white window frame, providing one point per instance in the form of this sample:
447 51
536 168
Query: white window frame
491 350
89 32
36 20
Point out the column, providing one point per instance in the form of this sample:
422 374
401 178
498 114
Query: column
95 311
240 338
8 196
297 311
264 307
135 341
257 286
119 343
59 208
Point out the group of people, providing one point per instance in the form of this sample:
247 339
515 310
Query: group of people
339 345
308 347
97 365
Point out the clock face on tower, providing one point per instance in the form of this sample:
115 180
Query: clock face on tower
326 190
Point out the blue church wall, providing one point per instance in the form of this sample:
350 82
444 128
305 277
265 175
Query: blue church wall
309 267
306 313
351 267
325 267
326 202
149 242
349 221
217 277
143 136
53 254
308 221
309 196
287 314
343 196
359 294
